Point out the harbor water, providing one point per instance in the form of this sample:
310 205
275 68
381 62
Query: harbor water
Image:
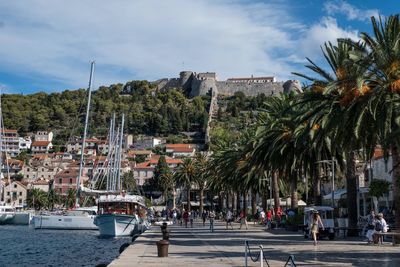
25 246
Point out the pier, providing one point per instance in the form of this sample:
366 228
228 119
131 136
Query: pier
198 246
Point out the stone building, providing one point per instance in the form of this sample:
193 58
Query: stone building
203 83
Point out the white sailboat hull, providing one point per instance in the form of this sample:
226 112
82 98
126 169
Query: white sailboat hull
114 225
65 222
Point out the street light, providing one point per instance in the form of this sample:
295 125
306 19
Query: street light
332 163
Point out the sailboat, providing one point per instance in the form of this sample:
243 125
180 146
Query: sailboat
79 218
120 213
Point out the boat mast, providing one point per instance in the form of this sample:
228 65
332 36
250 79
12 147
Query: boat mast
119 155
78 181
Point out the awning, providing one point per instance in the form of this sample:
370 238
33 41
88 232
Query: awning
286 202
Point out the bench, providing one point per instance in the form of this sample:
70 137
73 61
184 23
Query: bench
392 234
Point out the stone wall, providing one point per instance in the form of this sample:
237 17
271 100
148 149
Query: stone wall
190 82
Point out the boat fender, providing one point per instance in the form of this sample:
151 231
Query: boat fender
123 247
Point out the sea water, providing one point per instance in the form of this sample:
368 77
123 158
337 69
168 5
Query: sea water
25 246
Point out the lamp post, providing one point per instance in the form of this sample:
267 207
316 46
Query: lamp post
331 162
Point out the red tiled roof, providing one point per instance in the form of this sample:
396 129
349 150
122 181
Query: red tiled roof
9 131
41 182
173 146
183 149
41 143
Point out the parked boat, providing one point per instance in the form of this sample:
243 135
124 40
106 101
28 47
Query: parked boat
6 214
121 215
79 218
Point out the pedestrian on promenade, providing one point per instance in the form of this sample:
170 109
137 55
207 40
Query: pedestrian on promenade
204 217
380 227
243 219
174 216
229 219
211 216
192 216
269 219
316 221
262 217
186 217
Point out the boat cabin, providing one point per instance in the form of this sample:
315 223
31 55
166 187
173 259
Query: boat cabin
121 204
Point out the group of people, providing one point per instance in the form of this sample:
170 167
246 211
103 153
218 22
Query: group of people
376 224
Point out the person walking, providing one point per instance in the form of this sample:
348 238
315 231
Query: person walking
174 216
211 216
316 221
229 219
192 217
204 217
269 219
243 220
186 217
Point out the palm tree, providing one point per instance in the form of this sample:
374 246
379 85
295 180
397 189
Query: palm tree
201 164
383 49
186 175
37 198
338 110
52 199
70 198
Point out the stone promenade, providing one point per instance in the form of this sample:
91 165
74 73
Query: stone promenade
197 246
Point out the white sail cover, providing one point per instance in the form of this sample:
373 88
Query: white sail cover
122 198
93 192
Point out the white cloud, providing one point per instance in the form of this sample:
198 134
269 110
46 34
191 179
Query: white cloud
351 12
149 39
327 30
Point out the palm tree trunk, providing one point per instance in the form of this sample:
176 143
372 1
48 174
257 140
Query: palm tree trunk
294 202
220 200
201 200
396 184
253 202
227 199
264 200
188 198
275 186
245 202
237 202
174 198
351 184
233 201
317 186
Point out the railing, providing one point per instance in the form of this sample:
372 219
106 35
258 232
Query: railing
261 256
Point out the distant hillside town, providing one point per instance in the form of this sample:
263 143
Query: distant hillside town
31 162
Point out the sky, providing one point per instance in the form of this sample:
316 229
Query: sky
47 45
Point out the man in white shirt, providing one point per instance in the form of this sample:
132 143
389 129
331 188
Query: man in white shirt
229 219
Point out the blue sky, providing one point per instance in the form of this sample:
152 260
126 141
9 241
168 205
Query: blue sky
46 45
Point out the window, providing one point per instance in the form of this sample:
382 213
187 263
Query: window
27 176
42 169
8 193
27 169
20 201
60 180
70 180
15 185
20 193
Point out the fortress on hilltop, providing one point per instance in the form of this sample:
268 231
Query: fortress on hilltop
205 82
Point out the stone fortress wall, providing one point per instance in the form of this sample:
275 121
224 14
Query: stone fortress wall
202 83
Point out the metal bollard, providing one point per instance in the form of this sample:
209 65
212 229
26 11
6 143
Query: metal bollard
261 256
162 248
